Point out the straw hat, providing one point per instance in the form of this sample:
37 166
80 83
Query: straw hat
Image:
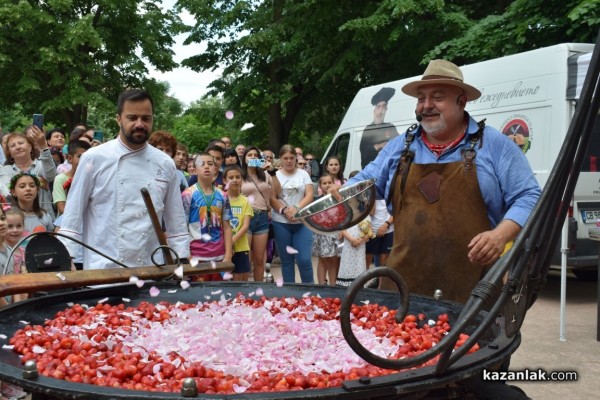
441 72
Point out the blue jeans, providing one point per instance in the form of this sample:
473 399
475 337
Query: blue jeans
300 238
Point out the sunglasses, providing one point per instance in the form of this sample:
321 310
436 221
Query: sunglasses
309 159
302 164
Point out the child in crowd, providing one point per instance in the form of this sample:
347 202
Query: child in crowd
333 167
15 221
59 192
242 211
24 189
326 246
6 265
208 213
231 157
353 258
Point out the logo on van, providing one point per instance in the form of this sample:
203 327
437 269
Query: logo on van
518 128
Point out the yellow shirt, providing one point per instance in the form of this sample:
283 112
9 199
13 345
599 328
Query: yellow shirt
240 208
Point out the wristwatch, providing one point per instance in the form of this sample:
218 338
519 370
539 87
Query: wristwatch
388 223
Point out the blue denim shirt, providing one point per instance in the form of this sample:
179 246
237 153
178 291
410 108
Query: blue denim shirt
507 183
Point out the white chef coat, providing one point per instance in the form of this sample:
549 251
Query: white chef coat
105 208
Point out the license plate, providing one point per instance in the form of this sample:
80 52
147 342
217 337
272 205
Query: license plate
590 217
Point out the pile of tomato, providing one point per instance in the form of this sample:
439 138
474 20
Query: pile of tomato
60 355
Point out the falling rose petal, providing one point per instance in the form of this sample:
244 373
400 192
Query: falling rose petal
154 291
194 262
179 271
291 250
3 336
227 186
140 283
172 291
24 322
259 292
184 284
48 261
8 346
207 297
279 281
70 304
227 276
205 237
133 279
213 265
61 276
250 294
104 300
229 114
216 292
306 294
126 300
251 199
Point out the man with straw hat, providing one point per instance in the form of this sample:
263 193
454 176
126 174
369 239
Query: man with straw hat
459 191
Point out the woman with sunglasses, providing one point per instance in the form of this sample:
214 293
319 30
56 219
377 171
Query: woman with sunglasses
293 239
258 188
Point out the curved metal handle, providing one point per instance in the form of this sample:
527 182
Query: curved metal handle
358 348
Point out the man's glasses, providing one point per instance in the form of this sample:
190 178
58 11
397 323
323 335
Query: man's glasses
309 159
302 164
268 157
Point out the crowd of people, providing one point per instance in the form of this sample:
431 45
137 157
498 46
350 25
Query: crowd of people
230 202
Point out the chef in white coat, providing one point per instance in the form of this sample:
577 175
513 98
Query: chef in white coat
105 208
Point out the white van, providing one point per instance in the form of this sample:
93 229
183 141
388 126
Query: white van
530 96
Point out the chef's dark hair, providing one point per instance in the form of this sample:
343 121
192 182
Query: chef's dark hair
133 95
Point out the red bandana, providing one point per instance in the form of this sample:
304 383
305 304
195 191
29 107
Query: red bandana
438 149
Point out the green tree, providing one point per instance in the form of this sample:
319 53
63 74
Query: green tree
60 57
524 25
297 64
203 121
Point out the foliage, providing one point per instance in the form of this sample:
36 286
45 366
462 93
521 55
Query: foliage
525 25
203 121
59 57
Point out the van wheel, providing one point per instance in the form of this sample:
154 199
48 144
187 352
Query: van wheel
588 275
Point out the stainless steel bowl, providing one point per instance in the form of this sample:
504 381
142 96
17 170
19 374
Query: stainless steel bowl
327 215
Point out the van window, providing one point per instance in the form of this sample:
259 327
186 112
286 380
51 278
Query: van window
340 148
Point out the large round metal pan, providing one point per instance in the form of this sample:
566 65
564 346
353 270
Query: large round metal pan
495 346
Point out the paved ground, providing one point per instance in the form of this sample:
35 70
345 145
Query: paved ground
541 347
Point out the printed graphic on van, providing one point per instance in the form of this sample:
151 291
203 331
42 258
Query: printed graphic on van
518 128
377 133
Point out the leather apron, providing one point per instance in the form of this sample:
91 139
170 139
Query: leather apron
437 209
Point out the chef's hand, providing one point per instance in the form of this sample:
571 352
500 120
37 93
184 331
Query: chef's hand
486 247
334 191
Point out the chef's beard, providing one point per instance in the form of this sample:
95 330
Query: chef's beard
434 128
132 139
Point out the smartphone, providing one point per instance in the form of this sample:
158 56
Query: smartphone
256 162
99 136
38 120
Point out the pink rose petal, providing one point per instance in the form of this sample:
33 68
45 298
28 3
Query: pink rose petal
154 291
140 283
184 284
205 237
179 271
213 265
279 281
48 261
133 279
259 292
227 276
194 262
291 250
251 199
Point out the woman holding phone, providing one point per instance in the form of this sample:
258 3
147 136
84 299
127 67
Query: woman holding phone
29 153
258 188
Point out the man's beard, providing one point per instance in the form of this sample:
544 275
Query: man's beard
434 128
134 140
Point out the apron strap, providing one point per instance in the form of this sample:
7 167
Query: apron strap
469 154
406 158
